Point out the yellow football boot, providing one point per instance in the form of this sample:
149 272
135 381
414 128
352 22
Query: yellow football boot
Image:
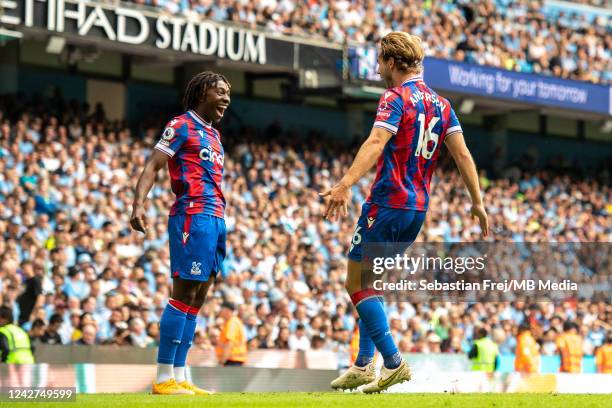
170 387
194 388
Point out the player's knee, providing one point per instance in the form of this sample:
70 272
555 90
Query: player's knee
198 300
185 291
200 295
185 298
353 277
350 286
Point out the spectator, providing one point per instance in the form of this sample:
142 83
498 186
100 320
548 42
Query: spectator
153 332
232 347
549 344
32 293
37 331
433 343
138 334
122 335
405 345
500 33
51 335
299 340
263 337
88 337
283 340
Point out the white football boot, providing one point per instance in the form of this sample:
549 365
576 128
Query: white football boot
355 377
388 377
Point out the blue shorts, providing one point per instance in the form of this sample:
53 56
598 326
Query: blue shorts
378 224
197 245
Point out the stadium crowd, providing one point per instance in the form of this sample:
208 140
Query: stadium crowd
520 35
73 271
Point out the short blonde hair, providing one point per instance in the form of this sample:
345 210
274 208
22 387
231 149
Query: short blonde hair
405 49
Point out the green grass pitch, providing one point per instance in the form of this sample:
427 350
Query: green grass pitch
330 400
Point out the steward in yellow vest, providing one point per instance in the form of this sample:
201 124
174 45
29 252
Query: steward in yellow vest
484 352
14 341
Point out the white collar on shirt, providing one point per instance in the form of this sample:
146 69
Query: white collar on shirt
413 79
199 119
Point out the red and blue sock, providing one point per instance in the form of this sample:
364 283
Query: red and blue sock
188 331
366 346
371 310
171 328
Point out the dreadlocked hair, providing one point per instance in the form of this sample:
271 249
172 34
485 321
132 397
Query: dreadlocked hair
199 85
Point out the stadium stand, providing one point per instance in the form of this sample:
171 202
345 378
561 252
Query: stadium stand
553 38
73 272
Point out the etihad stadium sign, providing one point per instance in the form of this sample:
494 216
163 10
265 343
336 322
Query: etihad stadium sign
136 26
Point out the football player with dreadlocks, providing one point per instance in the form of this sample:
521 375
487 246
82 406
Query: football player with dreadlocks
191 147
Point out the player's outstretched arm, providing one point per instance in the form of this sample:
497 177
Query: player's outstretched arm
463 159
368 154
156 161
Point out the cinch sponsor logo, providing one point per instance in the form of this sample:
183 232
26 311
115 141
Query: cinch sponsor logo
208 154
383 115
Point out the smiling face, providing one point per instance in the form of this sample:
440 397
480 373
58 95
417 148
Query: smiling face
216 101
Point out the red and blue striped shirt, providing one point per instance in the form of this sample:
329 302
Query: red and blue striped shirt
195 165
419 120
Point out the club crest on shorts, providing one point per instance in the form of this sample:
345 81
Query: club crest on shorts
195 268
371 221
185 236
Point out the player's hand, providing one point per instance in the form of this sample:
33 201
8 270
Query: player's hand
338 199
137 220
479 211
